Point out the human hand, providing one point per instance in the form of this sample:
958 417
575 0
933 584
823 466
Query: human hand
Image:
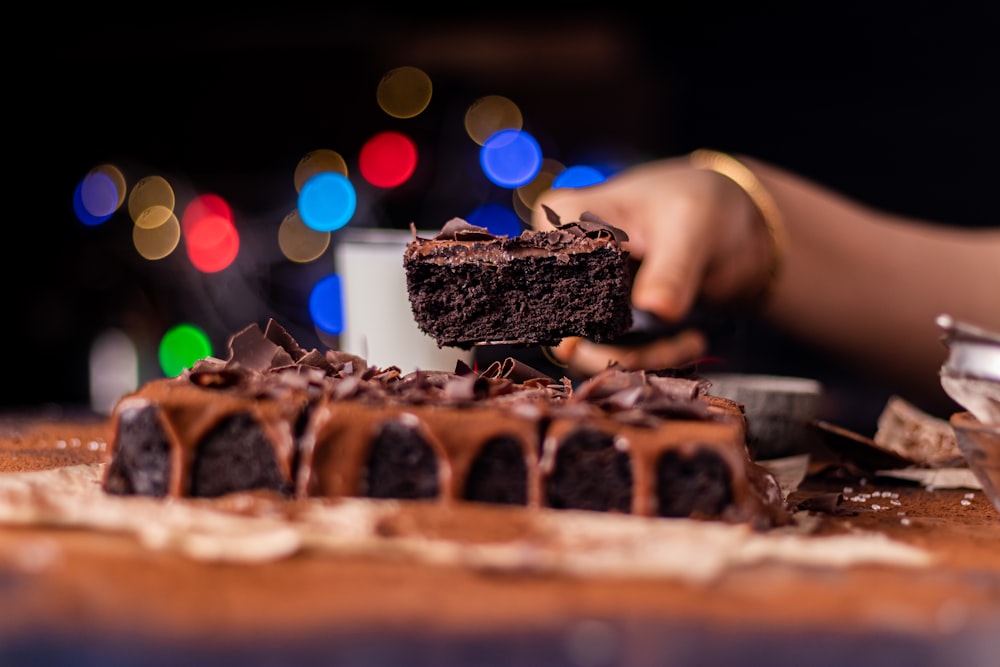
695 234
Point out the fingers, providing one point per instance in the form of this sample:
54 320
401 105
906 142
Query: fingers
679 238
669 275
585 358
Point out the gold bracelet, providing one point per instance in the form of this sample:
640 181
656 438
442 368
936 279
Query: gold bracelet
743 176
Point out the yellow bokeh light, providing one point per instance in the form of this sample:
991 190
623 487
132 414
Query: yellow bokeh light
153 216
148 192
157 242
117 178
299 242
523 212
316 162
404 92
490 114
525 198
529 193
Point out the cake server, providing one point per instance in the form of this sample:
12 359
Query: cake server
647 327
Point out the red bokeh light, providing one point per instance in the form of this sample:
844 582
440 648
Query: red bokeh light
388 159
204 206
212 243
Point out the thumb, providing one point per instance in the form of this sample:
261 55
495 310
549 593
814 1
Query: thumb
668 278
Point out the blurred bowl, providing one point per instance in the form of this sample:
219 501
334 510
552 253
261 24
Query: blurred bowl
780 411
980 444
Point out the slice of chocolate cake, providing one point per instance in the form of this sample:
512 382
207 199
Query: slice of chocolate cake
467 286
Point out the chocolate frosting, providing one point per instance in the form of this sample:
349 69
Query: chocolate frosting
588 226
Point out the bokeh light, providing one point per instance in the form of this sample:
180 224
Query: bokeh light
520 209
327 201
154 216
498 219
209 232
326 305
114 369
317 162
511 158
102 191
387 160
529 193
578 176
151 202
158 242
82 214
212 243
300 243
205 205
181 347
491 114
404 92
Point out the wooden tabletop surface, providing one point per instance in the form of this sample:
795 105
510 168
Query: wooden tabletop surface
76 596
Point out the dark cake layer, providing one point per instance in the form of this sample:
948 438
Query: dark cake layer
277 418
467 286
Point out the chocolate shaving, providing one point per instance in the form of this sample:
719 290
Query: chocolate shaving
463 368
315 358
277 334
458 229
520 372
608 382
680 388
249 349
344 363
589 224
622 400
492 371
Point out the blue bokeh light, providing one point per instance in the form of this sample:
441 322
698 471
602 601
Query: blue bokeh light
82 214
500 220
99 194
578 176
511 158
326 305
327 201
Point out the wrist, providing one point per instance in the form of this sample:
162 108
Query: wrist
771 220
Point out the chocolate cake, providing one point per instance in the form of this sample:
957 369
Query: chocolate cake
467 286
279 419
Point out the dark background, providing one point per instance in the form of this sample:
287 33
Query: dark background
892 105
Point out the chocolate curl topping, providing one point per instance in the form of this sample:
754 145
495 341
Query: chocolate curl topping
458 229
492 371
618 390
552 216
251 350
594 227
520 372
678 388
589 224
463 368
608 382
278 335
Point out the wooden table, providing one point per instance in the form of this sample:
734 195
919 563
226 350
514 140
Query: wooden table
86 597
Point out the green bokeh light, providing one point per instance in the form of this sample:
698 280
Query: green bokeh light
181 346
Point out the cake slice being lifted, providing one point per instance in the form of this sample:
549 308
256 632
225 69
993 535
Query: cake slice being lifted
468 287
